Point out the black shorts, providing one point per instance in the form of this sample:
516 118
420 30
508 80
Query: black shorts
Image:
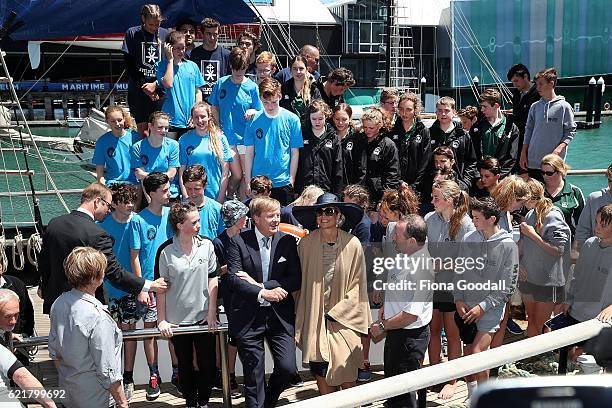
444 301
318 368
537 293
141 106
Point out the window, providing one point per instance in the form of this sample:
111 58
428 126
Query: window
365 27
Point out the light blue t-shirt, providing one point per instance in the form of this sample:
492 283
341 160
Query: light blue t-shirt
195 149
113 153
211 221
121 234
233 101
273 138
153 159
147 232
181 96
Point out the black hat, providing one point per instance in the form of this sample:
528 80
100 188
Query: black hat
306 214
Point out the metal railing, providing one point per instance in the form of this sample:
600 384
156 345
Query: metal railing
440 373
139 334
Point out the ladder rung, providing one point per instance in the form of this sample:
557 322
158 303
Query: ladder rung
17 172
17 149
16 127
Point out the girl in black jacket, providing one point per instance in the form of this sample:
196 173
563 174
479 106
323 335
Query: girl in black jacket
353 144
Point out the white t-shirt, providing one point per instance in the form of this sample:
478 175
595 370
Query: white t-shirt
7 360
417 301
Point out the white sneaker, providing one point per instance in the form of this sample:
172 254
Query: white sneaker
128 390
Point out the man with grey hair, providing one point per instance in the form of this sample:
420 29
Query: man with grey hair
408 308
9 314
311 55
11 287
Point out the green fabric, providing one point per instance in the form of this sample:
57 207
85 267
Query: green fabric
491 137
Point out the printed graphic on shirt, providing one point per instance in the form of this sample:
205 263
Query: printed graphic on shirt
110 152
210 73
418 139
259 133
144 159
349 146
151 232
455 144
151 53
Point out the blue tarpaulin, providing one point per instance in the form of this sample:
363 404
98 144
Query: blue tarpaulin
65 18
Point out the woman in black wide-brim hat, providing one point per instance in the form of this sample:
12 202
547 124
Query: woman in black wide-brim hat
333 311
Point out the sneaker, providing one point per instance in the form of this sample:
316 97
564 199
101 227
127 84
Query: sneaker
513 327
364 374
296 380
235 390
153 390
128 390
218 383
175 381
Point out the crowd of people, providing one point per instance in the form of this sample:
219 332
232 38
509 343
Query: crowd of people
223 153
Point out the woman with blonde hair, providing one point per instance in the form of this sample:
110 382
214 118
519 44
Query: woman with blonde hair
565 196
510 194
447 226
112 153
308 197
298 91
208 146
382 162
545 258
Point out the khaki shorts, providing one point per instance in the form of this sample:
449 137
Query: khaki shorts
239 149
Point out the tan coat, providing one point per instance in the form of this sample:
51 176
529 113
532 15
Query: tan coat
338 343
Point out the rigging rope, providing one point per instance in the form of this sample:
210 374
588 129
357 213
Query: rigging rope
18 252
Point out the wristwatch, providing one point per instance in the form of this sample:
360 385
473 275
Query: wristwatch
381 325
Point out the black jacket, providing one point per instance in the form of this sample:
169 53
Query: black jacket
465 155
354 157
320 161
289 95
62 235
331 101
284 271
507 148
382 167
520 108
414 151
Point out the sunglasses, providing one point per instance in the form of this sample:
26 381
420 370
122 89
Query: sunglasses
326 211
549 173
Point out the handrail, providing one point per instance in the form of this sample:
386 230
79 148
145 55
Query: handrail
138 334
440 373
586 172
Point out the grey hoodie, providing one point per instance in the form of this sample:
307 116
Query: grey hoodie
542 268
586 224
548 124
591 288
501 265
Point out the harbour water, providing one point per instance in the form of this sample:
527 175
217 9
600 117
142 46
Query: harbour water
589 150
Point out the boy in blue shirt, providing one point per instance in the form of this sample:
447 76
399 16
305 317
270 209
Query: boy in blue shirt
235 99
124 307
112 153
157 153
148 230
182 80
211 221
273 139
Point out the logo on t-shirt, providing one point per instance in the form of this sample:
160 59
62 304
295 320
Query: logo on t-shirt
150 53
151 232
210 71
110 152
455 144
349 146
144 159
222 94
259 133
190 150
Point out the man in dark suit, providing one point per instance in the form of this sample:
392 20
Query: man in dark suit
78 228
263 270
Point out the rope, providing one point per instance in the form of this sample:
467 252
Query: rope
18 252
3 257
34 247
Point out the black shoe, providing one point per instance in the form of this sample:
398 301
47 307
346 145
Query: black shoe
296 380
234 389
218 383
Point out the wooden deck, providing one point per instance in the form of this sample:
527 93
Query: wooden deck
44 370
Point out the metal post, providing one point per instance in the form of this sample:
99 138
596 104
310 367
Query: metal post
588 103
388 42
598 94
423 94
225 375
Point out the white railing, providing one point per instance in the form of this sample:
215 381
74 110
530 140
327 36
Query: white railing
440 373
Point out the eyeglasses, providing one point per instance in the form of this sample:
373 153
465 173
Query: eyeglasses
108 205
549 173
188 31
328 212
